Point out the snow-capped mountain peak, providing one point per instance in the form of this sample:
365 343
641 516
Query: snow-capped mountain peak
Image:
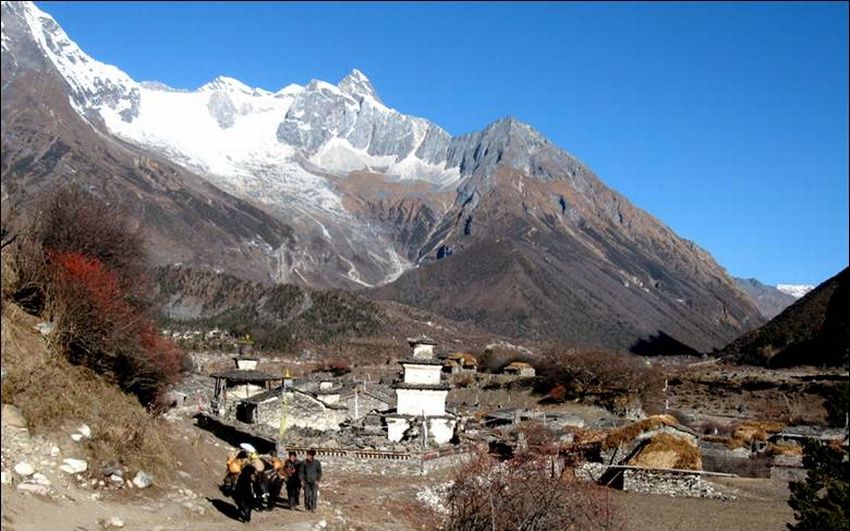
358 86
94 85
227 84
795 290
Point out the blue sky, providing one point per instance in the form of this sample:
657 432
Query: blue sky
728 121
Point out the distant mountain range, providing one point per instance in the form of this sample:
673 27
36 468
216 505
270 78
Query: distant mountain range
795 290
324 185
814 330
770 300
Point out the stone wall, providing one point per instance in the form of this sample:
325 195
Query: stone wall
302 411
677 483
442 462
401 466
787 473
716 457
788 468
387 463
589 471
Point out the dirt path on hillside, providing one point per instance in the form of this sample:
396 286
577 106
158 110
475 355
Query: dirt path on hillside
193 501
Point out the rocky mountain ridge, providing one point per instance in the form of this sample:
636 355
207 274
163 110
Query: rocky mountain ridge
345 192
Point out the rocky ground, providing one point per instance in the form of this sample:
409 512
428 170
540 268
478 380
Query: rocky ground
41 491
48 497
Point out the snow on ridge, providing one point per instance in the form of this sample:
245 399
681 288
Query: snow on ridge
227 84
224 127
290 90
85 75
339 156
795 290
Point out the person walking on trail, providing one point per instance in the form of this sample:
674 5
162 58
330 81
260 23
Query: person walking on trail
292 470
243 493
311 475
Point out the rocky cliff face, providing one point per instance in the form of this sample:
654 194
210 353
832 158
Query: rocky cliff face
499 226
768 299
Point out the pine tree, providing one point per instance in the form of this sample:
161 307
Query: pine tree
821 502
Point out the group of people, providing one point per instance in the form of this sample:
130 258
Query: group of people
255 481
307 473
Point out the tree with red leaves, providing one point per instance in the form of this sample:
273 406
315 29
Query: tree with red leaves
88 266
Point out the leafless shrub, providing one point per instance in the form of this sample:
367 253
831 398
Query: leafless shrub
607 376
522 493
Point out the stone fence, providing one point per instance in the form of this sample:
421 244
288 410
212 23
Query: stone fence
665 481
389 463
356 460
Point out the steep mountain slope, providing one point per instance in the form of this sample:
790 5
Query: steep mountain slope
499 226
813 331
563 256
769 300
46 144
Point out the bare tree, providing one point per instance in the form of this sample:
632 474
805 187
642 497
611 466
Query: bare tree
601 374
523 493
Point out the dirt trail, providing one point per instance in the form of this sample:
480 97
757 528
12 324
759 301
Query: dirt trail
193 501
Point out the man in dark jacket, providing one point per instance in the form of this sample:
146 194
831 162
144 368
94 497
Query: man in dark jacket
292 468
243 493
311 475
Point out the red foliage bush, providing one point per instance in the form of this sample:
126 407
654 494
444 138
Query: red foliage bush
102 330
82 265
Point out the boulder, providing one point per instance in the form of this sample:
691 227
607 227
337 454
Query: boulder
77 466
13 417
142 480
24 469
40 479
44 328
33 488
85 431
112 467
5 478
113 522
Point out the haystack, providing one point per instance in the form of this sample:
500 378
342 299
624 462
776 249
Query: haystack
749 431
464 359
626 434
666 451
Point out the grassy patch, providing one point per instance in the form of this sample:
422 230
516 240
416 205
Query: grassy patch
56 396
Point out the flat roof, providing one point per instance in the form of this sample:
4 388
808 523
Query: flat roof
245 375
427 387
421 361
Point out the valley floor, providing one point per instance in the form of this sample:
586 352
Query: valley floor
348 501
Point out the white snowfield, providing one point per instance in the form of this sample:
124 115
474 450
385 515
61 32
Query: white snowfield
795 290
227 132
184 125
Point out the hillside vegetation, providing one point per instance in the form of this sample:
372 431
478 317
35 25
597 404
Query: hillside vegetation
78 342
279 317
812 331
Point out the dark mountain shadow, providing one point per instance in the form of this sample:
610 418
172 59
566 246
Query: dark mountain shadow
661 344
